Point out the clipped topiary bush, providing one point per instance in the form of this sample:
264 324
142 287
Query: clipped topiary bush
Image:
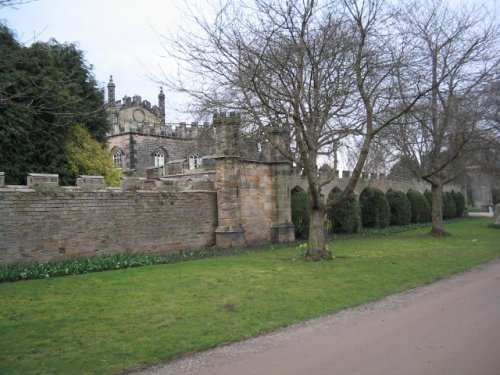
420 209
400 207
428 196
344 217
300 213
495 192
375 210
459 199
449 206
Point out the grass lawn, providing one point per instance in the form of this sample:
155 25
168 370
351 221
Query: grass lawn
105 322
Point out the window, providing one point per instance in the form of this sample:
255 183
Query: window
194 161
159 159
118 158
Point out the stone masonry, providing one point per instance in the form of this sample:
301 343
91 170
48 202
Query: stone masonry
46 223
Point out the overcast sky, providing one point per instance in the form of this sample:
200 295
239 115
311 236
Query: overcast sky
119 38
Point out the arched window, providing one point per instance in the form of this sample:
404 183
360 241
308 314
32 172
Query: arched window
194 161
118 158
159 159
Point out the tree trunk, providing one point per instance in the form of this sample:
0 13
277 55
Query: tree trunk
317 248
437 210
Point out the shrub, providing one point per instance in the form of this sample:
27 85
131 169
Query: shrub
300 213
495 192
400 207
428 196
449 207
375 210
88 157
420 209
344 217
459 199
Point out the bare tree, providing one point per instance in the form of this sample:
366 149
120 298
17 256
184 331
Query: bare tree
14 3
455 52
323 72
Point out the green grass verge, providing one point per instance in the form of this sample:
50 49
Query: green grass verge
105 322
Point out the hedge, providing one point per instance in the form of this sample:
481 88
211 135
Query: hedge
428 196
449 206
400 207
300 213
375 210
459 199
344 217
420 209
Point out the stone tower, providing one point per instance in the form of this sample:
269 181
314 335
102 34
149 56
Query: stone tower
253 196
111 92
230 231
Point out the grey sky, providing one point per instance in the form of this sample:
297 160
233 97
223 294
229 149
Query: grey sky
119 38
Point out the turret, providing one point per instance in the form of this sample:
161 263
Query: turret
161 105
111 92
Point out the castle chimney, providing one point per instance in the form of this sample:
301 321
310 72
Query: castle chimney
161 105
111 92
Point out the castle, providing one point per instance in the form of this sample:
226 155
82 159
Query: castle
141 140
142 144
184 188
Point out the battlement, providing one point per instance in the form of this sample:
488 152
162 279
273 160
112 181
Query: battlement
135 101
171 130
49 183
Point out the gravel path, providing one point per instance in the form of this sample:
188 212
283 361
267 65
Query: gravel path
450 327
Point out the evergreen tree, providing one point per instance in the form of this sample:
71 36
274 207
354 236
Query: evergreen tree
344 217
300 213
400 207
449 206
459 199
375 210
44 88
420 209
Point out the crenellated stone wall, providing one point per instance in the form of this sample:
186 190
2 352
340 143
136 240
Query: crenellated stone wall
379 181
44 223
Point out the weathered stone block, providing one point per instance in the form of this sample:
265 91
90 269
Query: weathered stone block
133 183
230 237
496 216
154 172
282 232
42 180
91 182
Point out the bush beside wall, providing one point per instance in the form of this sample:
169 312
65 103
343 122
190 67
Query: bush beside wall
300 213
449 206
346 216
400 207
420 209
375 210
459 199
428 196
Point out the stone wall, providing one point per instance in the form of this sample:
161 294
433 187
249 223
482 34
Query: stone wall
45 224
370 180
